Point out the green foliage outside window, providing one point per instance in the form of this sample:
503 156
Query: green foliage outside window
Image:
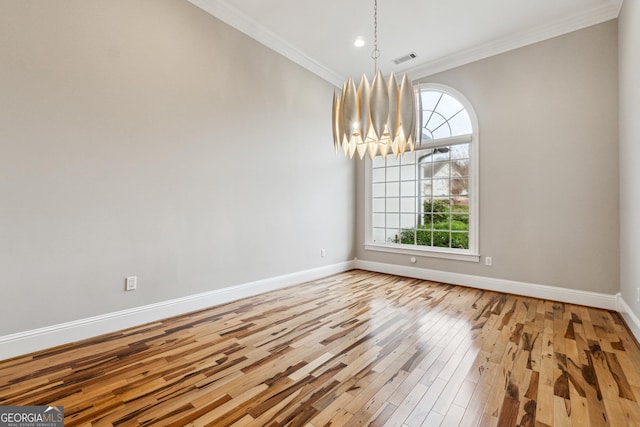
445 225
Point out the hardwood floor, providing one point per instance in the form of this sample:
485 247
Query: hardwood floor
358 348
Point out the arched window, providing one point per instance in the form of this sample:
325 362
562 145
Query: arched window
426 202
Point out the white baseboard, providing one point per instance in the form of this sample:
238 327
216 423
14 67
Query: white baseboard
629 317
572 296
51 336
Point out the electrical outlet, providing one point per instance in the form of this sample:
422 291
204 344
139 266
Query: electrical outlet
323 253
488 261
131 283
637 294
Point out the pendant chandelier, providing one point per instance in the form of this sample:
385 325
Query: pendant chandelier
375 118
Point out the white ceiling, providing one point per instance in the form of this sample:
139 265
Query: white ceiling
319 35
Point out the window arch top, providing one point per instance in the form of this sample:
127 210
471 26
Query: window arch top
442 116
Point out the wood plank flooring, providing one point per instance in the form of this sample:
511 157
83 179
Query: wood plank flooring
354 349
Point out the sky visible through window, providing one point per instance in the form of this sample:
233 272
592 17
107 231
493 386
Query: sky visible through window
443 116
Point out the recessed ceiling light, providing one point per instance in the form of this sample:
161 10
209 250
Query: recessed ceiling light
359 42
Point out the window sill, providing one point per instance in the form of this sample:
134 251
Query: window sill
420 251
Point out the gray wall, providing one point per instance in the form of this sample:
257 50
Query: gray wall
145 137
177 149
548 163
629 46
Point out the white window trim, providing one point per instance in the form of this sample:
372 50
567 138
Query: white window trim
472 254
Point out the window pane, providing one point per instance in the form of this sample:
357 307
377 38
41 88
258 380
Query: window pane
393 220
430 99
461 167
377 175
460 240
377 220
440 154
460 204
405 237
408 158
393 189
424 238
392 161
461 124
441 169
392 235
393 174
407 204
408 188
393 204
377 205
426 170
427 188
378 235
461 218
433 121
449 106
443 131
407 221
441 221
378 162
377 190
459 187
407 173
440 187
441 239
460 151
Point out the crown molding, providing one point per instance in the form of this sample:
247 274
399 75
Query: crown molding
241 22
222 10
606 12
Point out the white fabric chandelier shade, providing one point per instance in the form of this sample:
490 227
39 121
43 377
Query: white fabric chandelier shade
375 118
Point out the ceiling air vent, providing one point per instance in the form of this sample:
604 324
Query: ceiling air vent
405 58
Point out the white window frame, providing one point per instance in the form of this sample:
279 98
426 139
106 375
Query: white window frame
472 254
